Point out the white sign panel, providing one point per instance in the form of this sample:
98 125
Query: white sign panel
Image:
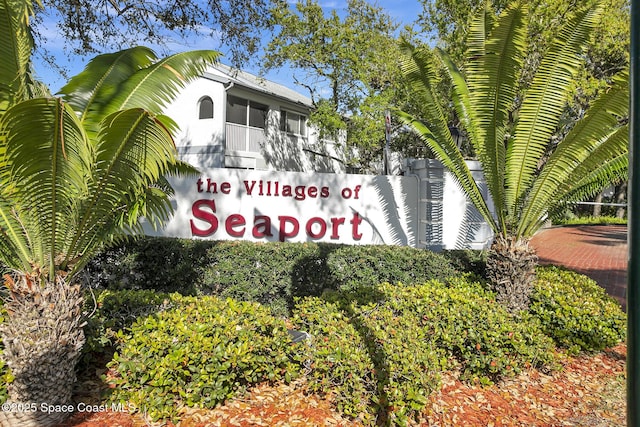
230 204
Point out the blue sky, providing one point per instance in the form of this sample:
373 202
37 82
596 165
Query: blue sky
402 11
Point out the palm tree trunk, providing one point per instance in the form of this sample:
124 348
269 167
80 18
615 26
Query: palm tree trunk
511 271
42 336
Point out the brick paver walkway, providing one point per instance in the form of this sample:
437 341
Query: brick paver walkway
597 251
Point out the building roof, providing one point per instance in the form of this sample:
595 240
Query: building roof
256 83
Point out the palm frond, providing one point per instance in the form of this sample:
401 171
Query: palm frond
544 103
461 97
91 91
180 168
16 44
588 146
44 171
612 152
479 31
612 172
153 87
492 79
15 248
134 151
418 69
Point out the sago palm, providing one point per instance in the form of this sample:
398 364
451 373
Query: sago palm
76 172
531 169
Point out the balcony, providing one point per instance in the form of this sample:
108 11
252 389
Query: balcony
244 138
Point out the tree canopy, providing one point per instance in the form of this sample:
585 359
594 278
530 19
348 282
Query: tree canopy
348 64
448 22
96 26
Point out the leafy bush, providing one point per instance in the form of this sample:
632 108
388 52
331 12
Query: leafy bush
4 378
262 272
576 312
199 355
113 311
356 266
375 364
383 347
269 273
161 264
467 261
590 220
479 336
337 360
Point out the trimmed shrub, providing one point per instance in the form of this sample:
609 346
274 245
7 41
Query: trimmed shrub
383 347
266 273
576 312
479 336
5 376
377 364
356 266
590 220
198 355
337 361
162 264
269 273
468 261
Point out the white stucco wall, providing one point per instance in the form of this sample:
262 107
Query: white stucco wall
200 141
204 142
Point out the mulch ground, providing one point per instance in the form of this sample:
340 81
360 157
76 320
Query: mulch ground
587 391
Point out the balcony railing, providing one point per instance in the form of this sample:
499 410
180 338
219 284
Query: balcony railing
244 138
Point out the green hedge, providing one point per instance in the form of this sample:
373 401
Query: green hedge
269 273
115 311
379 351
375 364
576 312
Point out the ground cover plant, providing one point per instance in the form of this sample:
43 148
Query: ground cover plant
381 350
199 354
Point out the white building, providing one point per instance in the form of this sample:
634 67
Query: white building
233 119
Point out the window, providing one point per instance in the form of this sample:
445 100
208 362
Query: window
249 113
236 110
293 123
206 108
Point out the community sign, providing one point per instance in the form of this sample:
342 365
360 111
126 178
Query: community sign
234 204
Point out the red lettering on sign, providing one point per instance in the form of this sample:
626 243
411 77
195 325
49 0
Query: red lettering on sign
205 222
355 222
283 234
234 221
323 228
263 228
335 223
204 215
